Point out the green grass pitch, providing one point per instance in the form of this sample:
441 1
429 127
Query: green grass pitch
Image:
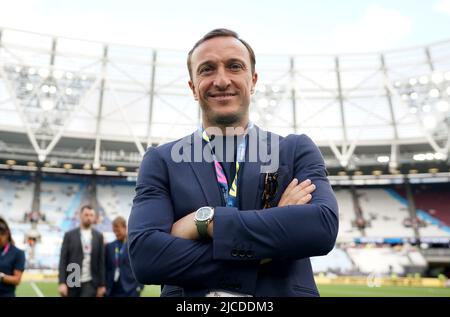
49 289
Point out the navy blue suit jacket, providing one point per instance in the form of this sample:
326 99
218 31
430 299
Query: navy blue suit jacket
127 280
167 191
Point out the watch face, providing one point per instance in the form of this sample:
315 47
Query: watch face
203 214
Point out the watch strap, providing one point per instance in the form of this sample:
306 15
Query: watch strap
202 228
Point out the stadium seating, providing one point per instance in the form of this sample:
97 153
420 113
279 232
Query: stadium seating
115 199
16 197
60 200
385 213
433 204
346 216
386 260
337 262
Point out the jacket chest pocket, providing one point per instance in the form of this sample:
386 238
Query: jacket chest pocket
278 185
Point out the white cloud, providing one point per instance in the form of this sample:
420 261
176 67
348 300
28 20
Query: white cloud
108 26
443 6
378 29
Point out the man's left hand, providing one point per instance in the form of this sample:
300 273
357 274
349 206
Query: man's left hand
101 291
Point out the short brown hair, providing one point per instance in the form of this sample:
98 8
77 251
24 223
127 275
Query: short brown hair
119 221
221 33
4 228
85 207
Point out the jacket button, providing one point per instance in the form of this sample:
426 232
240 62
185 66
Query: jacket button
234 252
250 254
241 253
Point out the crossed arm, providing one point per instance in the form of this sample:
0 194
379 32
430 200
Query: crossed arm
294 194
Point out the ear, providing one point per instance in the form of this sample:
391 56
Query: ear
194 92
254 80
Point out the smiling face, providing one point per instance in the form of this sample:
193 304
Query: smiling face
222 81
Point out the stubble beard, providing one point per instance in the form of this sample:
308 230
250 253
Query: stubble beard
224 120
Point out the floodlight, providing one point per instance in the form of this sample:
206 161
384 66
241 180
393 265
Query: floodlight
426 108
44 72
52 89
47 104
413 81
434 93
423 80
57 74
437 78
383 159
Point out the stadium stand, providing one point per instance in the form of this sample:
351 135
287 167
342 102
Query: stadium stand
336 262
116 199
16 196
387 260
347 231
433 205
385 214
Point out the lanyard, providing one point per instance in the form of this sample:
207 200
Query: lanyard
86 244
5 249
118 252
229 194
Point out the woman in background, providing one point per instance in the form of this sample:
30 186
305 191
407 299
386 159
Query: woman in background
12 262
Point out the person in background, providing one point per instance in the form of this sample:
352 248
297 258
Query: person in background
120 281
12 262
84 247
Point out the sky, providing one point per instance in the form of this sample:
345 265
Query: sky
274 27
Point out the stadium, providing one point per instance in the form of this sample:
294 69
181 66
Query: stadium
76 117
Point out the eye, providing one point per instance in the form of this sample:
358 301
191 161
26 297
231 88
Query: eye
205 69
236 66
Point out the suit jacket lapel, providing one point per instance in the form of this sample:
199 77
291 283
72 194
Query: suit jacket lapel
93 243
205 174
79 244
249 181
249 190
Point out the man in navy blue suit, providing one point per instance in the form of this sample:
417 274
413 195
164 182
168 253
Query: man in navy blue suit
120 281
230 210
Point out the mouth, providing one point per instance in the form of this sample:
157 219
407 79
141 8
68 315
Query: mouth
222 96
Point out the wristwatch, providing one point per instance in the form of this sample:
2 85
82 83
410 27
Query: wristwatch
202 218
2 275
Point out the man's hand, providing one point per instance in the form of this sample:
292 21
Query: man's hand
101 291
62 289
297 194
185 228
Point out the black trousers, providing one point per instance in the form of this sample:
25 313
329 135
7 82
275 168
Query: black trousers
86 290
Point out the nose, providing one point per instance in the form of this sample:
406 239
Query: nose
222 81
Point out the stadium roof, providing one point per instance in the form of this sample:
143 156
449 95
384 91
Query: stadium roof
59 91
